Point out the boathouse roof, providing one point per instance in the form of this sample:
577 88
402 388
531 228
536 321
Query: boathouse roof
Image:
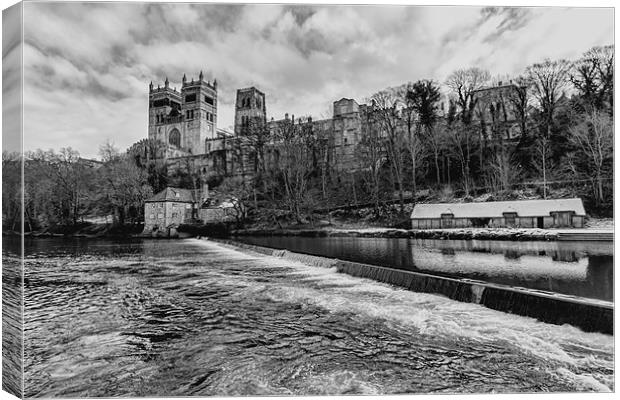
496 209
177 195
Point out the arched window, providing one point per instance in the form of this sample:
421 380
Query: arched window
175 138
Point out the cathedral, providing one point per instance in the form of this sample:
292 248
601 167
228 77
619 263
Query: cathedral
185 122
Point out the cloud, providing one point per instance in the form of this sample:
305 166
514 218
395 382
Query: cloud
87 66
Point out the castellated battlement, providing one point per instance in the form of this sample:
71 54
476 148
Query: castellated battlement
184 120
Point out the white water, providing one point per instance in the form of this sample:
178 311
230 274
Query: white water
197 318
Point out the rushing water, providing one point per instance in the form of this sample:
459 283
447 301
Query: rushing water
191 317
577 268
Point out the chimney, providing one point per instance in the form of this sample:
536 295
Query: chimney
286 116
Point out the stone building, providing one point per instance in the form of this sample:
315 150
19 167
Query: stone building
496 110
184 120
168 209
559 213
250 110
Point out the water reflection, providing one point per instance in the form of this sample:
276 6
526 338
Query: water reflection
183 318
576 268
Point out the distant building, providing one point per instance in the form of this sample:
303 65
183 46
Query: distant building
186 122
168 209
171 207
183 120
496 110
215 210
560 213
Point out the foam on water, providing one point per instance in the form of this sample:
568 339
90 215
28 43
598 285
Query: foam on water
193 317
437 315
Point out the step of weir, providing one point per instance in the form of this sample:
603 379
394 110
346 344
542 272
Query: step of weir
591 315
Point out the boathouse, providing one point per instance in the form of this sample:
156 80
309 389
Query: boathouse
559 213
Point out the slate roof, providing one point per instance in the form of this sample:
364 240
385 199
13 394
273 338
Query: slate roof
173 194
496 209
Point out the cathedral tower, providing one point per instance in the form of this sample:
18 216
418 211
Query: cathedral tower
199 111
250 110
164 104
183 120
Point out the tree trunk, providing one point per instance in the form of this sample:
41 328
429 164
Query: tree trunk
413 184
437 166
544 166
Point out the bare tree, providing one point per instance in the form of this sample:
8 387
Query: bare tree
385 106
56 186
593 136
295 164
462 144
519 101
464 83
593 76
108 151
371 152
503 172
238 192
548 81
435 136
123 189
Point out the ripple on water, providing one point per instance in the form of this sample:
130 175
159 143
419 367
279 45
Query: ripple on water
195 318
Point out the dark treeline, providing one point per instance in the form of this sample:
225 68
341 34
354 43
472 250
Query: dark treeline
550 133
61 189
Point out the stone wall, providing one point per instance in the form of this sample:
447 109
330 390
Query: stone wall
162 215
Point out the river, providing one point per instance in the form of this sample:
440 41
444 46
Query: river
190 317
582 269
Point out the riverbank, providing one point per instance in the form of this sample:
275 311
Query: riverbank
520 234
358 225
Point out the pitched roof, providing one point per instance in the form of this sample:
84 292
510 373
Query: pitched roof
173 194
496 209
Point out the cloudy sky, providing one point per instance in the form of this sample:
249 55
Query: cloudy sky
87 66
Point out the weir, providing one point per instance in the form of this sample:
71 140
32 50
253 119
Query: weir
588 314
